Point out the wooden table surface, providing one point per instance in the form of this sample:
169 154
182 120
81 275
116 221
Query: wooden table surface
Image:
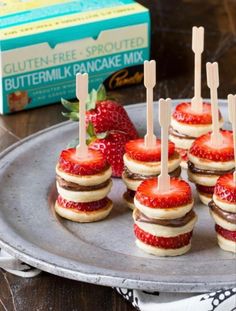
171 46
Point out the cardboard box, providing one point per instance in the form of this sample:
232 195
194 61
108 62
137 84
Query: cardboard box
44 43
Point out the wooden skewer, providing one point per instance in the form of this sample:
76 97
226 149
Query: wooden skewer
82 94
150 82
164 120
232 119
197 47
213 84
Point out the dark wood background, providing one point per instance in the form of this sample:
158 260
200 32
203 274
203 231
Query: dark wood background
172 21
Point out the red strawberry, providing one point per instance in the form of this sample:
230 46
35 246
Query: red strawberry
225 188
205 189
229 235
183 153
136 150
202 147
179 194
113 147
162 242
85 207
94 162
104 113
184 114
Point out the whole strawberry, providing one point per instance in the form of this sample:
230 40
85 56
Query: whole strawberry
105 114
112 145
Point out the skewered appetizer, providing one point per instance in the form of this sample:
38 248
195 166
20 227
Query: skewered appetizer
187 125
83 185
223 211
208 162
142 163
164 221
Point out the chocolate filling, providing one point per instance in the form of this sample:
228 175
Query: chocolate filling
76 187
230 217
134 176
129 196
196 170
179 222
175 133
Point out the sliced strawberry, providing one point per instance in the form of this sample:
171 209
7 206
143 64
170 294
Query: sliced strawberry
113 148
162 242
205 189
94 162
136 150
202 148
225 188
229 235
184 114
179 194
183 153
84 207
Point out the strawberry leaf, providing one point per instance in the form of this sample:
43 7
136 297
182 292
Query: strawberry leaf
101 93
70 106
73 116
102 135
90 130
91 101
73 143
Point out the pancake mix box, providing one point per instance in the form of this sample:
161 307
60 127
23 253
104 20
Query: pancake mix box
44 43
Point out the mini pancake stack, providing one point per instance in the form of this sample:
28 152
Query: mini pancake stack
207 163
223 211
142 163
83 185
164 221
187 125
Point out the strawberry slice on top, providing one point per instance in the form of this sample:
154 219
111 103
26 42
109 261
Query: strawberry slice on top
136 150
179 194
225 189
203 148
92 164
184 114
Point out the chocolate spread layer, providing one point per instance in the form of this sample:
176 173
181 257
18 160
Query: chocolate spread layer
134 176
230 217
76 187
179 222
129 197
175 133
196 170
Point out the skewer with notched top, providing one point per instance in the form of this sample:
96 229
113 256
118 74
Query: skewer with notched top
197 47
82 95
213 84
150 82
164 120
232 119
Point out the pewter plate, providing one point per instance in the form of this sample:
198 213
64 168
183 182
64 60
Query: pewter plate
104 252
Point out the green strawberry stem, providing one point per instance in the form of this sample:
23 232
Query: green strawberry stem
91 136
93 98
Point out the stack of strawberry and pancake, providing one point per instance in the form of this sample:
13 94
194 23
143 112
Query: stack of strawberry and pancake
83 185
187 125
141 163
